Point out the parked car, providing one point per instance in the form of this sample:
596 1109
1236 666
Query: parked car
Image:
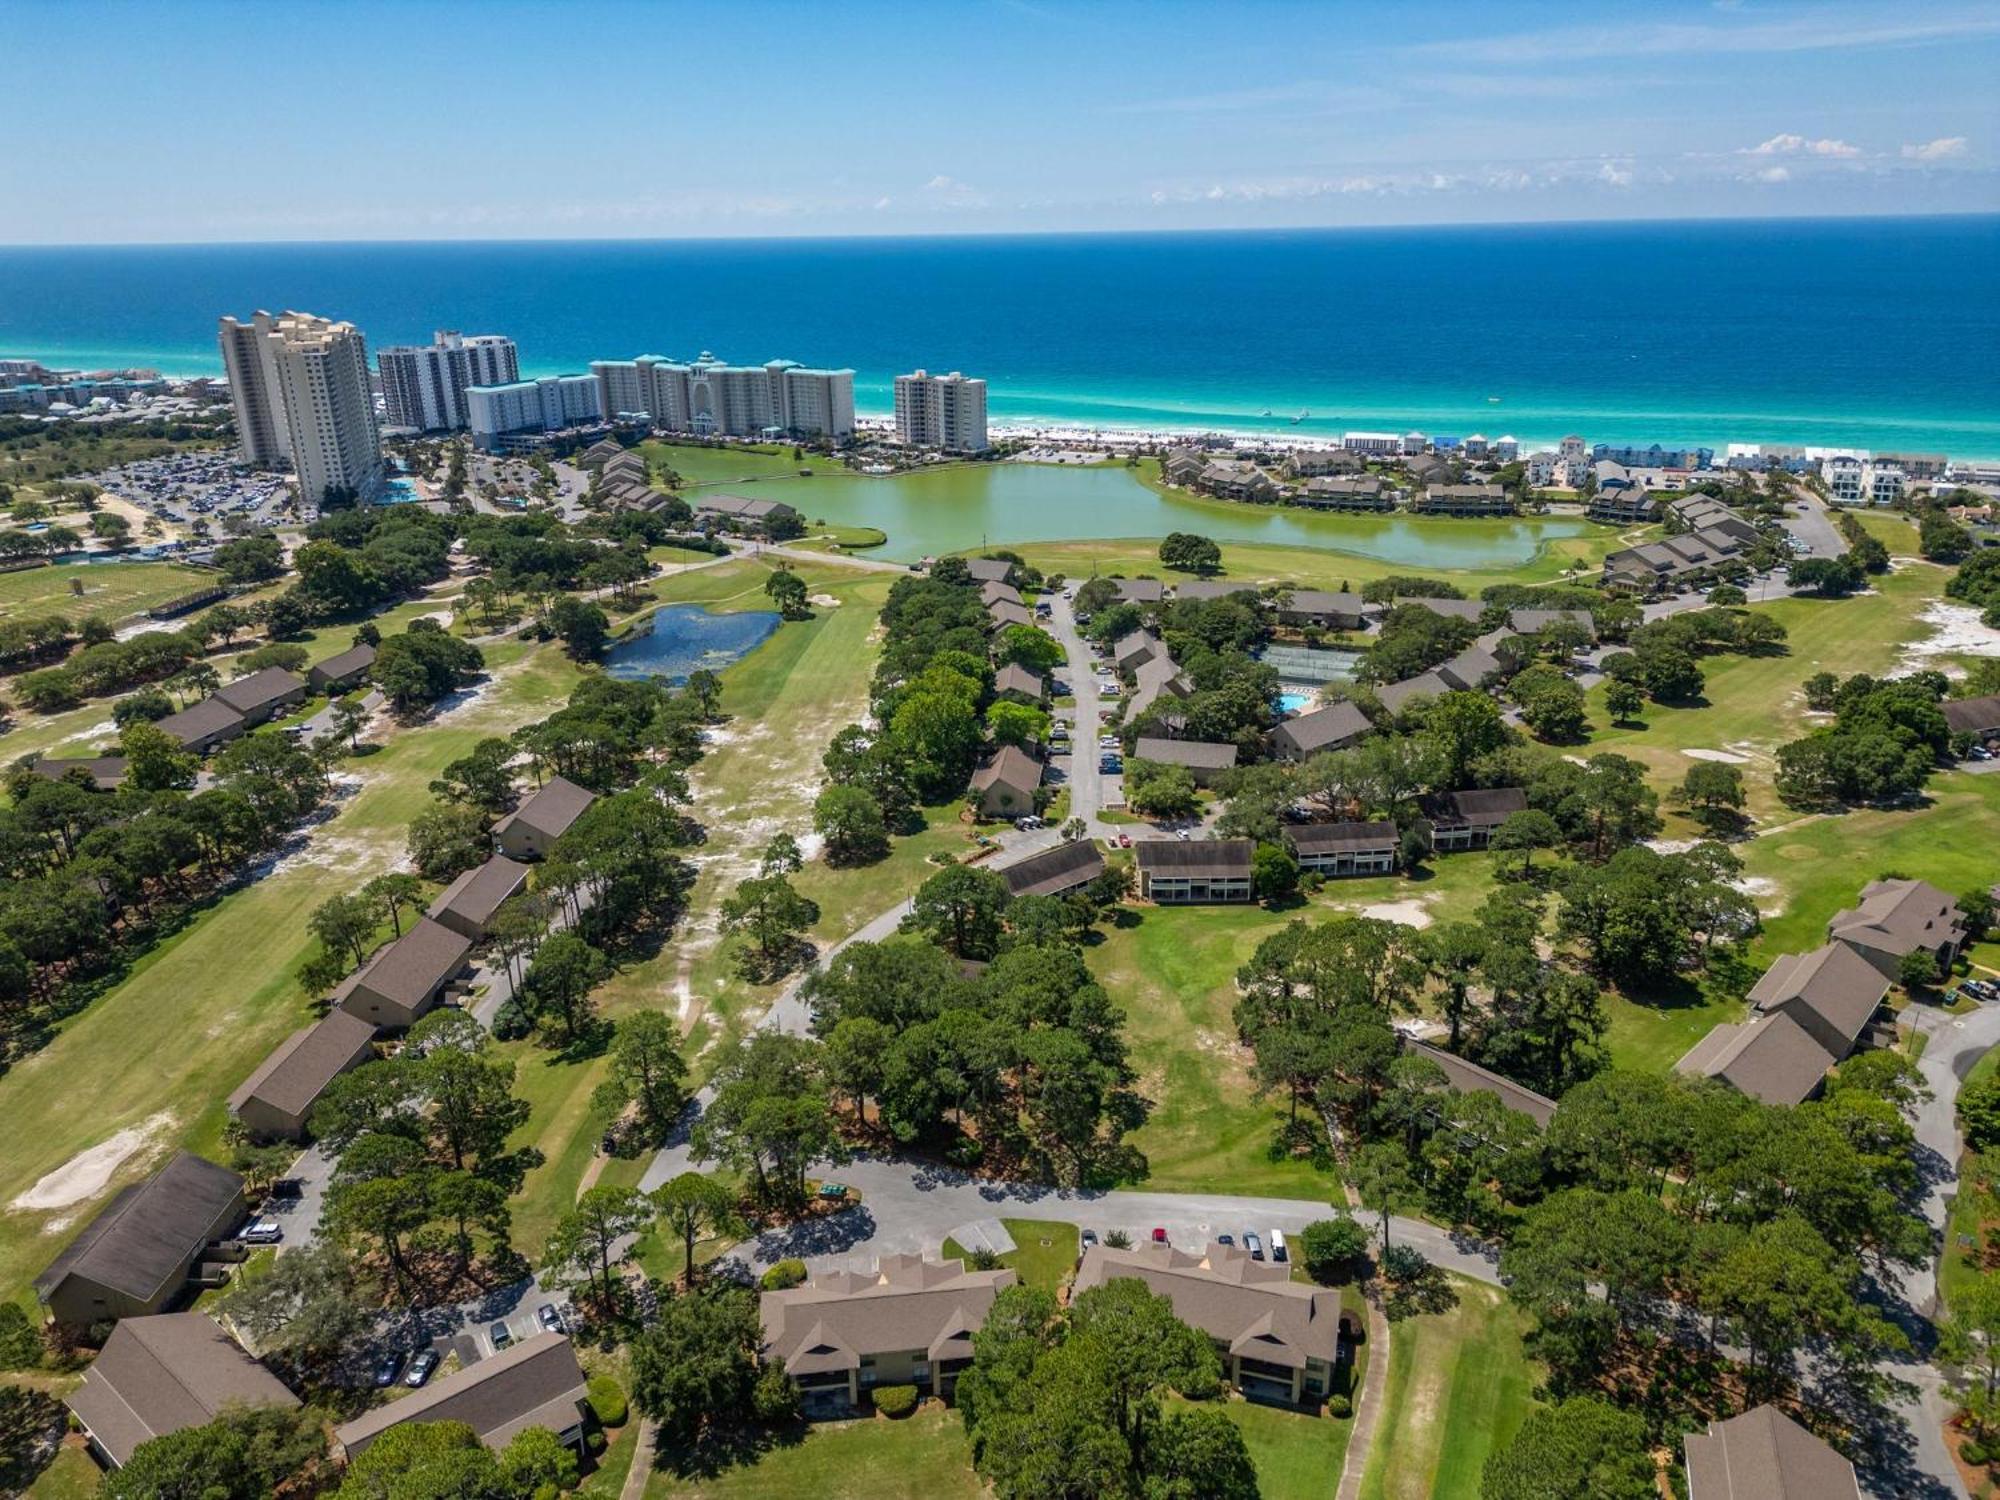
1225 1239
501 1335
387 1369
549 1318
265 1231
421 1367
1088 1239
1159 1235
1124 841
1277 1244
833 1190
1254 1245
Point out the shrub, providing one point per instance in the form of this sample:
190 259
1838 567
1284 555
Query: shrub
1332 1250
1339 1406
595 1441
1973 1452
1403 1263
512 1022
607 1401
786 1273
896 1400
1117 1239
774 1398
982 1259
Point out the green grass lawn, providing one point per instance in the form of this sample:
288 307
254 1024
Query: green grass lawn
739 462
922 1457
1652 1038
607 1480
1459 1387
1958 1264
73 1475
163 1048
1298 1456
1046 1266
113 590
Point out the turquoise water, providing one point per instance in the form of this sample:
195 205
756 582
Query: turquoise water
399 491
952 509
1876 332
1296 702
685 637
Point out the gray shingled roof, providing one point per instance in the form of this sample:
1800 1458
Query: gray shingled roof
145 1236
1011 767
551 810
1972 715
1252 1306
1487 808
1330 838
304 1063
260 689
1174 857
1898 917
536 1383
1054 869
106 772
1457 609
199 721
411 968
346 663
1198 755
477 894
1833 981
906 1303
163 1374
1468 1077
1764 1455
1773 1059
1323 728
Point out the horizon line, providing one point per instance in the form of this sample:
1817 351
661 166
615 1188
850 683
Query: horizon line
1023 234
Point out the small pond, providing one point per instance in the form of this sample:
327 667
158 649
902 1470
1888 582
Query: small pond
687 637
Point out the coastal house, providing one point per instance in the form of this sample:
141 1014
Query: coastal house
1203 759
1466 820
1362 492
1694 512
1212 588
1898 917
1397 696
200 727
1452 609
261 695
741 513
1235 479
910 1321
530 831
1279 1339
1621 501
397 986
161 1375
1331 728
992 593
599 453
276 1101
103 773
1463 500
1140 591
1470 670
626 465
1055 872
1155 675
535 1383
1978 718
340 672
1313 463
1672 560
1016 681
1425 469
1764 1455
1000 614
1182 466
1345 848
469 902
1530 621
1326 609
1005 786
1132 651
1463 1077
989 570
1770 1058
135 1257
1177 873
1832 993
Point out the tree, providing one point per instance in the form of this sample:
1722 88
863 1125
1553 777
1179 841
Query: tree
537 1462
583 628
245 1453
647 1070
305 1311
423 1461
850 824
1581 1449
446 840
1523 833
348 718
1381 1173
1199 1454
857 1050
774 917
788 592
1917 970
394 893
1158 790
1712 791
697 1364
770 1116
581 1243
1623 700
1028 646
345 924
1190 553
31 1423
1551 705
961 908
1274 873
692 1206
781 856
1011 723
566 969
1333 1250
481 778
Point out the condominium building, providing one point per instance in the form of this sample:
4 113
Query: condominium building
941 411
424 385
1371 442
301 391
705 396
549 403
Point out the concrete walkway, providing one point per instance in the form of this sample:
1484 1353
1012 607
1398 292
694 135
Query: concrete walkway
1367 1400
642 1461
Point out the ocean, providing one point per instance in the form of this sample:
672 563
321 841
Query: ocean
1875 333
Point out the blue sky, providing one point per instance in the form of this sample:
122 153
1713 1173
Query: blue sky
186 121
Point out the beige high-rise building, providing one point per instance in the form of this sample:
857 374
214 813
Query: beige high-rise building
941 411
300 385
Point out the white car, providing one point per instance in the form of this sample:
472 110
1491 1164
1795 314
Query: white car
266 1231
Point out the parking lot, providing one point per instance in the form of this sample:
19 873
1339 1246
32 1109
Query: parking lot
185 487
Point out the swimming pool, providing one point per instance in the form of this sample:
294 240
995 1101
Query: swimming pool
1296 700
399 491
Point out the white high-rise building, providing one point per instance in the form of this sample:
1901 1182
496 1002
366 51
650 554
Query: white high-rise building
300 385
547 404
941 411
708 397
424 385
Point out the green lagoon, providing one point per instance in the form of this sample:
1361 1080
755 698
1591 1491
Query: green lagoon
989 505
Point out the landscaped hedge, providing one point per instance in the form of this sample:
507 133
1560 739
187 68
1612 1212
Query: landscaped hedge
607 1401
896 1400
786 1273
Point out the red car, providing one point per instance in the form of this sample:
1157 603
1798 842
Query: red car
1124 841
1159 1235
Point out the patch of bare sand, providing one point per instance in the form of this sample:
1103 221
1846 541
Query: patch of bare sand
89 1172
1409 913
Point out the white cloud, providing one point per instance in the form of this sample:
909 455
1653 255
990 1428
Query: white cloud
1771 174
1937 150
1614 175
1799 145
1805 32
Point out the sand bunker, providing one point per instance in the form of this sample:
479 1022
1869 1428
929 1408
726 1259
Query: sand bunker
88 1173
1409 913
1726 757
1956 630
